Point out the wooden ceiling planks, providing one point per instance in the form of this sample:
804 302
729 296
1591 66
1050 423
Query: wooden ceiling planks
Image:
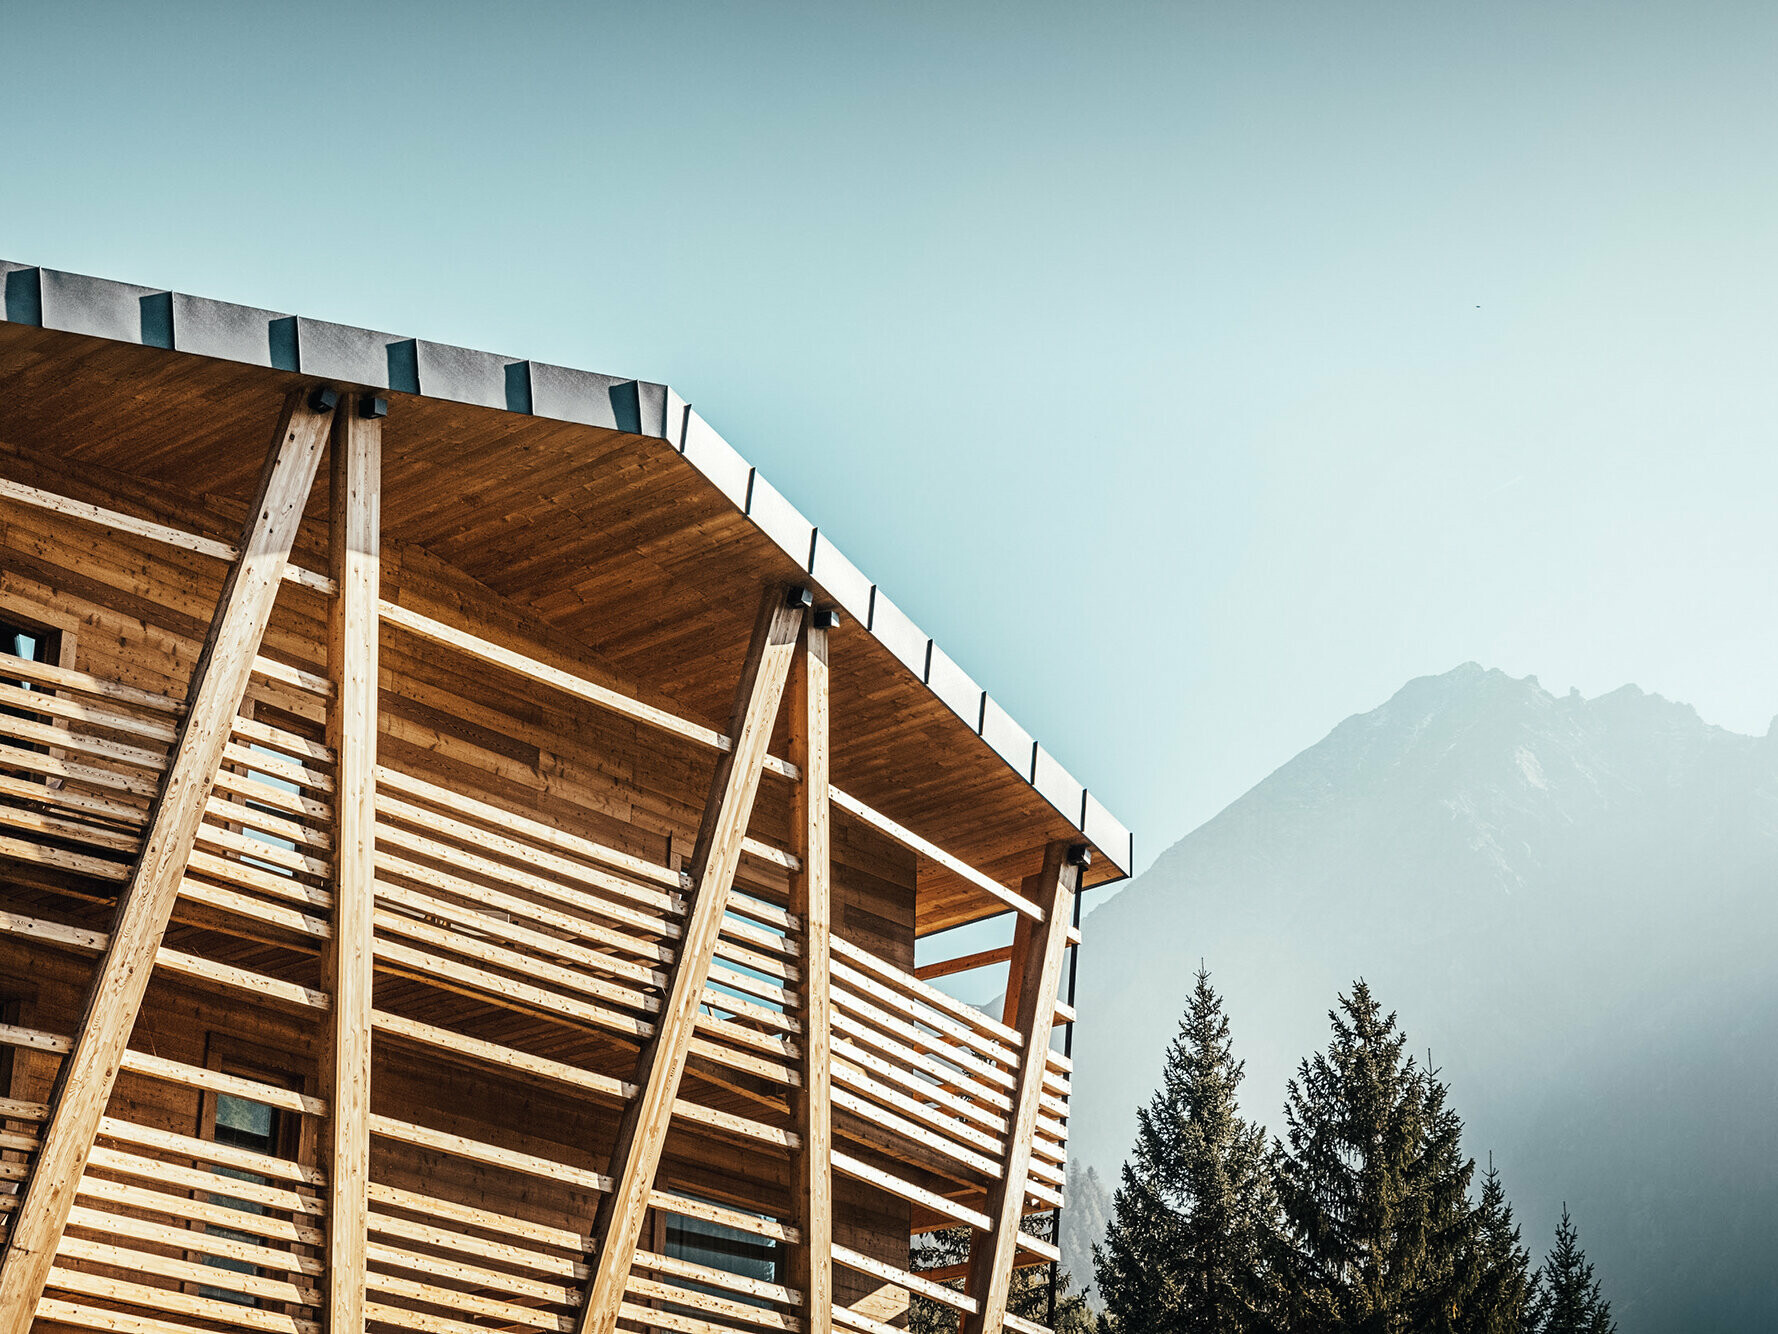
612 538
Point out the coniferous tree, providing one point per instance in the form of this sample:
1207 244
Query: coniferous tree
1373 1186
1192 1235
1569 1300
1503 1282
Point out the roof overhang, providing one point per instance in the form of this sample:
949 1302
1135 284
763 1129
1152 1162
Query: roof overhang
606 506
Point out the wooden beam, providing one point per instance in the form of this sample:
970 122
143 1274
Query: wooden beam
811 1264
355 492
642 1131
83 1084
1031 1004
964 963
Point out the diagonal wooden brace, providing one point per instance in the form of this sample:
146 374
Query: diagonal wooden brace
83 1085
642 1132
1032 984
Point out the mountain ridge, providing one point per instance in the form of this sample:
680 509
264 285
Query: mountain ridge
1559 894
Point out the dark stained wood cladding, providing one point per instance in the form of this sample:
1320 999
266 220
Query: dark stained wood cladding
613 540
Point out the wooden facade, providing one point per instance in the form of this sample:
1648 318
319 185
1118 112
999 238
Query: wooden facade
463 844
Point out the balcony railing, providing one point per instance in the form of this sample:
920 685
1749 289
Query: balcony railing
481 908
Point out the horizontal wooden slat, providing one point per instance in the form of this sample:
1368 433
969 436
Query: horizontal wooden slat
422 1322
30 823
964 963
254 909
846 1317
919 1129
20 1109
966 1015
847 1165
268 822
678 1320
708 1305
544 920
104 1319
456 1270
80 743
210 1151
205 1241
492 1155
281 767
73 771
594 892
297 805
217 1081
945 1096
104 1159
285 674
584 916
254 1285
293 744
1038 1246
932 852
55 933
545 834
545 860
506 1225
500 1252
88 804
173 1301
200 1210
468 1303
79 711
903 1278
953 1041
936 1056
566 682
769 1228
97 687
720 1278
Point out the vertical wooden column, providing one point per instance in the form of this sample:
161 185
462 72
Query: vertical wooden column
1037 959
355 489
642 1132
811 1263
83 1085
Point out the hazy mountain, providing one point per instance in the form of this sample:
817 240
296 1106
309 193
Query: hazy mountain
1573 903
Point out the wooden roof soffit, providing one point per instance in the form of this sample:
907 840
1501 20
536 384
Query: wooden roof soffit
156 318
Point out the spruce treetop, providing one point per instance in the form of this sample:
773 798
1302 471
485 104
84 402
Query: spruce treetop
1570 1300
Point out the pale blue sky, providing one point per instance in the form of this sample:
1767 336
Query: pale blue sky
1196 374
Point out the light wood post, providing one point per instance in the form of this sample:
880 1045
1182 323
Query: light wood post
1038 959
355 527
642 1132
83 1085
811 1263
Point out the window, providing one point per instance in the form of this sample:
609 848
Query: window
33 643
717 1247
255 1126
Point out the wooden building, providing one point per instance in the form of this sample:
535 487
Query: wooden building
463 841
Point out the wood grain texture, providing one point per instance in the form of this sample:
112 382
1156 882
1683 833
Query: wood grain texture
642 1132
811 1264
218 684
355 529
617 540
1031 1001
529 906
